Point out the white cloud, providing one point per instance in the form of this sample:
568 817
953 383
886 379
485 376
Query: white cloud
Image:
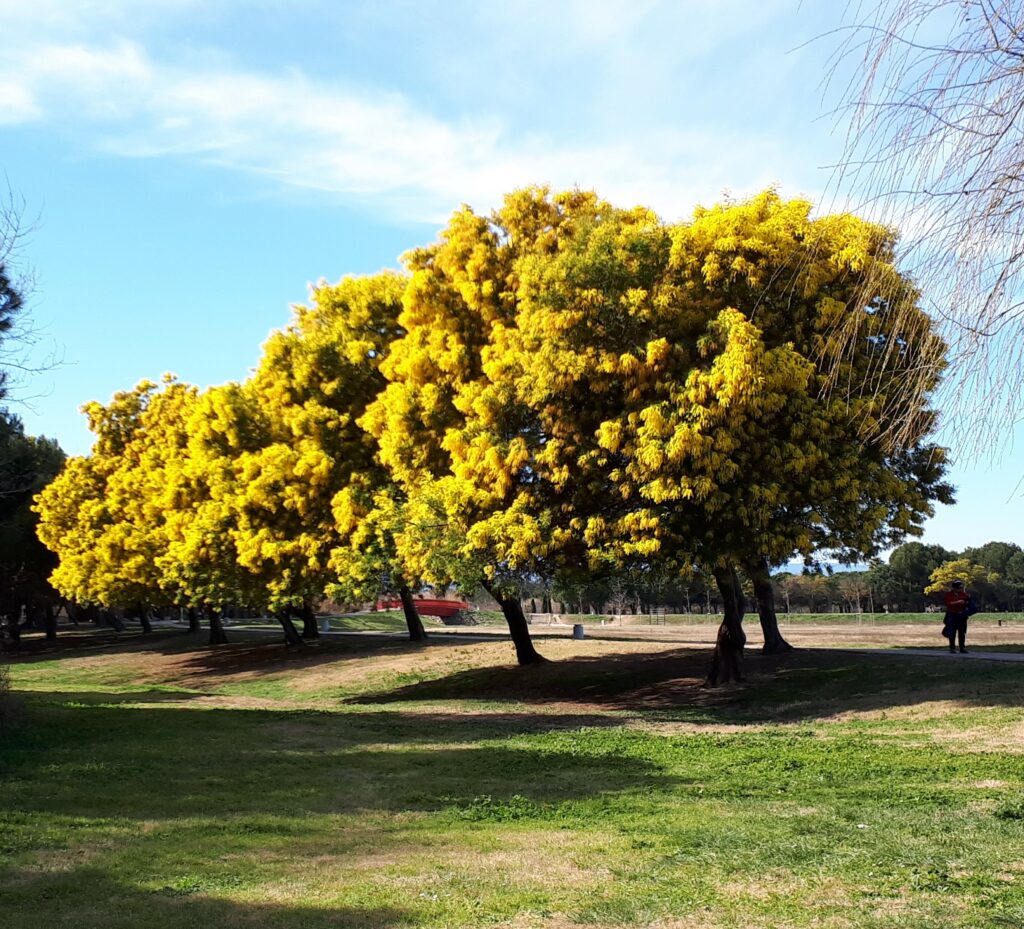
17 104
372 146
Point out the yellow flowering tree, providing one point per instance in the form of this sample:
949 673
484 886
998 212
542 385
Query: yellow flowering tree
699 393
141 521
975 577
560 388
103 515
316 508
858 473
451 431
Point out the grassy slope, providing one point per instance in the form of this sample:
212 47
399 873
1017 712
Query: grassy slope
354 785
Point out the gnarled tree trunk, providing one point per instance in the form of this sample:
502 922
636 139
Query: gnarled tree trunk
309 629
412 619
727 661
50 622
193 619
764 593
217 634
143 614
517 626
291 634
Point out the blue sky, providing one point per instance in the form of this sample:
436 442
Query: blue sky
194 166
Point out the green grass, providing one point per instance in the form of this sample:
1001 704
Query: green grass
383 621
415 788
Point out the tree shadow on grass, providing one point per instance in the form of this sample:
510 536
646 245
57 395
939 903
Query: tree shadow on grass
76 642
112 761
802 685
247 652
598 679
99 901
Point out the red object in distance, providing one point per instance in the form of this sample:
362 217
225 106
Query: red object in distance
440 608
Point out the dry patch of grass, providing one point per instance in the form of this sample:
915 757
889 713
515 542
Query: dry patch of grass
1008 738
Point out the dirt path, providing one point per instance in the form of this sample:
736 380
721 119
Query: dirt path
933 653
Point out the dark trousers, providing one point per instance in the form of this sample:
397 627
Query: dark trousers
957 626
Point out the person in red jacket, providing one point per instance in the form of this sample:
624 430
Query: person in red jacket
958 609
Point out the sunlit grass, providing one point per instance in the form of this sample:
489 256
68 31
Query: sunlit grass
359 784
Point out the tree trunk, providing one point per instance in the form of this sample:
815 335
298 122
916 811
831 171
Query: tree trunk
33 618
114 620
193 620
291 634
140 609
217 634
726 663
412 619
50 622
764 593
517 626
309 629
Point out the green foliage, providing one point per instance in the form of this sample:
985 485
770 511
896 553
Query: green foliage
27 465
912 565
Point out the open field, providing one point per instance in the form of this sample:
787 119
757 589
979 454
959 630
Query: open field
494 617
363 782
988 631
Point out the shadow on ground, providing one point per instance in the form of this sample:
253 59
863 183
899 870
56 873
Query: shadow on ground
805 684
148 762
245 653
184 903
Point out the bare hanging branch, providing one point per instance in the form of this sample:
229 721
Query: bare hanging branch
935 147
18 335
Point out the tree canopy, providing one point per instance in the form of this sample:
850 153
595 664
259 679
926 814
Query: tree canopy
558 389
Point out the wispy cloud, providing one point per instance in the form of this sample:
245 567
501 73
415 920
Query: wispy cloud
376 146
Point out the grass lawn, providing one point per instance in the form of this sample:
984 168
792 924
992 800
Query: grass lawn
155 782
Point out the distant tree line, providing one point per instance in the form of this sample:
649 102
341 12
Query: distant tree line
916 574
911 581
